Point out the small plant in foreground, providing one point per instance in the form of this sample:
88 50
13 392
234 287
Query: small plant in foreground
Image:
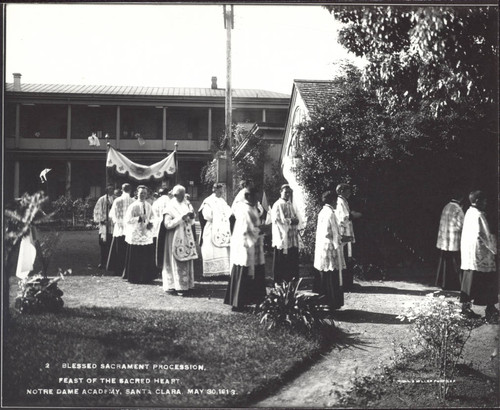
38 293
286 305
442 332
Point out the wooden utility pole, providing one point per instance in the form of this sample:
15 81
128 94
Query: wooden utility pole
229 25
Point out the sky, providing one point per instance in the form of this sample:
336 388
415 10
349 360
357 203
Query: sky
170 45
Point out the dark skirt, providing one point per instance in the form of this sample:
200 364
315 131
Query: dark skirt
105 245
480 287
140 264
243 290
286 267
327 284
117 255
449 275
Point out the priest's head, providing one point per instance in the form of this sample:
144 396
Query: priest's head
142 192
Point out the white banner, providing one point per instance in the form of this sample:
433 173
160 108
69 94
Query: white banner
124 166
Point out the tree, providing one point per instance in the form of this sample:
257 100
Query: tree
441 63
249 163
397 166
439 58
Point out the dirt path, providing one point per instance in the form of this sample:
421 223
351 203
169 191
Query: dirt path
369 322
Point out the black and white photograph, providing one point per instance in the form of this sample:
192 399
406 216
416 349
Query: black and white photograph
250 205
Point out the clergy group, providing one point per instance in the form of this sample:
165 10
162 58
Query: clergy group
142 239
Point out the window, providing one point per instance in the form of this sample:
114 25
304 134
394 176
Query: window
95 191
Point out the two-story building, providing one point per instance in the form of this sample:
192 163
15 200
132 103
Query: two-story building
47 126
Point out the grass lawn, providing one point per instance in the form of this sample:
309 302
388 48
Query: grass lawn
241 361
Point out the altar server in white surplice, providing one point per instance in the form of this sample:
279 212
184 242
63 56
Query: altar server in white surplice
328 255
285 238
139 262
215 237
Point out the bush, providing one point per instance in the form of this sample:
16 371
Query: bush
38 294
367 271
20 221
441 331
299 310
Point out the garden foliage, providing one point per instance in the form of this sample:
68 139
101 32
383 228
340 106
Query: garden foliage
441 331
39 294
442 64
436 57
288 306
73 211
20 220
350 138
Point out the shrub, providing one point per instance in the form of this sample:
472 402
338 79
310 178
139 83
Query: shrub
38 294
288 306
20 221
367 271
441 331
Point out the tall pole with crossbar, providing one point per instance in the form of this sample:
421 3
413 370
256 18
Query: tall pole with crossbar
229 25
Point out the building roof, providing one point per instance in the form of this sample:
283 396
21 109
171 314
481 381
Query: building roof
315 92
141 91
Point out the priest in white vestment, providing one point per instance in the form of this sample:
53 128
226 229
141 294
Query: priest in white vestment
285 239
478 249
177 245
247 282
449 274
328 255
139 262
216 235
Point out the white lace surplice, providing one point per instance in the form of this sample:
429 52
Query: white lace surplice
118 211
328 255
216 236
478 245
247 244
101 214
137 233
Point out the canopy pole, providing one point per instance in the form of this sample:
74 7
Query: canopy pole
176 163
108 145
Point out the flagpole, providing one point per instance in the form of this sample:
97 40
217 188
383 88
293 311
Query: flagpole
176 163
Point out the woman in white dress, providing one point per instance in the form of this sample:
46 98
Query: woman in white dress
216 234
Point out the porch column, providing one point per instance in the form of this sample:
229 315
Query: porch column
263 115
209 128
68 179
118 129
68 128
16 179
18 125
164 130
